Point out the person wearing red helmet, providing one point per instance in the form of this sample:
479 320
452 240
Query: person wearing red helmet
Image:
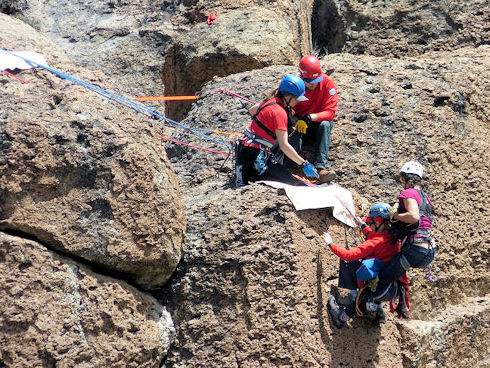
315 116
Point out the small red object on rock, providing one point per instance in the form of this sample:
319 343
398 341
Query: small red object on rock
212 18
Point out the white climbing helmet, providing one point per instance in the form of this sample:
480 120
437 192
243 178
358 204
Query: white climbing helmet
413 167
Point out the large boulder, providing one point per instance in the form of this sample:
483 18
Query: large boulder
57 312
398 27
151 48
199 55
248 248
84 176
125 40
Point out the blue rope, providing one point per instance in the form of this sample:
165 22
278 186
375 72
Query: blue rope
134 105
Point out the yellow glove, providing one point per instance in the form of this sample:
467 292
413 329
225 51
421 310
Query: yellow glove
393 210
301 126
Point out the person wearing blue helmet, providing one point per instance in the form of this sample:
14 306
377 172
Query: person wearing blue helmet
254 153
362 263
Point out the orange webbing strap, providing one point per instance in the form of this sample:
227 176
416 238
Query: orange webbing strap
358 310
229 133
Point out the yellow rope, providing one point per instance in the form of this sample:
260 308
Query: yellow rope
229 133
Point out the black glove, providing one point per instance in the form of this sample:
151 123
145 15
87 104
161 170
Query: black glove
306 118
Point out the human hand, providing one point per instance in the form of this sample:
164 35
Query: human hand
393 210
301 126
309 170
359 221
327 238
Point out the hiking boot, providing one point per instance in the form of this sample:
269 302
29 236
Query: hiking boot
344 299
334 311
326 176
380 316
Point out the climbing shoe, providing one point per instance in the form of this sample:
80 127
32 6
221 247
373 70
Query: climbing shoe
326 176
344 299
380 316
334 311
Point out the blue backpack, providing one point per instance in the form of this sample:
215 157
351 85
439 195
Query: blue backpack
369 269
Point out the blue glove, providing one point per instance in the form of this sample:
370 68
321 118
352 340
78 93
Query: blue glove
309 170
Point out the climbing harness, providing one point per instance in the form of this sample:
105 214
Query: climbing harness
254 138
136 106
270 133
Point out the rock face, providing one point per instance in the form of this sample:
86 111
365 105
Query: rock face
58 312
150 47
197 55
251 287
86 178
398 28
430 108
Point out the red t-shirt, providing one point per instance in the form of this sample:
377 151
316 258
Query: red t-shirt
273 117
321 101
378 245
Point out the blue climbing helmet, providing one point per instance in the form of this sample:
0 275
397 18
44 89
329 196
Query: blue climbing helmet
293 85
380 209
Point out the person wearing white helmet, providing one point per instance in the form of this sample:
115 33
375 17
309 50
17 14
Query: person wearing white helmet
412 221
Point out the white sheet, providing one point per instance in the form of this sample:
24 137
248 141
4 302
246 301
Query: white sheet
320 197
8 61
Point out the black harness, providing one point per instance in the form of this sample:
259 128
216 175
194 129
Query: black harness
269 132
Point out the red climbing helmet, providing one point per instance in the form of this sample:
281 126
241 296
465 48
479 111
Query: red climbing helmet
310 69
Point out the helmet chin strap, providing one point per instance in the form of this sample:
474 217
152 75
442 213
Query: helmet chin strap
288 106
376 228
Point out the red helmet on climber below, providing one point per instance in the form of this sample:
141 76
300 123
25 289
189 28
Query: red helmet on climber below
310 69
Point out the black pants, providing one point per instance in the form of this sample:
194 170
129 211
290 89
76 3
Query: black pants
245 158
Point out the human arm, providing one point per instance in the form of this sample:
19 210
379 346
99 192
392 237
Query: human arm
253 110
361 251
412 215
289 151
329 103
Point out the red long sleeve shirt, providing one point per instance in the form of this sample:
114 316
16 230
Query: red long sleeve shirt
378 245
322 101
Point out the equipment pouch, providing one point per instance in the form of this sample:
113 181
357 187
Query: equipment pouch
260 163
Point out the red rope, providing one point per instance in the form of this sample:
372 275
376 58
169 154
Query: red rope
222 90
306 182
190 145
14 76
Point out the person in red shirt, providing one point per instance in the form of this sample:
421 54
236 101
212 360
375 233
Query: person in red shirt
381 245
254 156
315 116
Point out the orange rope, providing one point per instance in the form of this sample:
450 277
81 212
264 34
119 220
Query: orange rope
229 133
